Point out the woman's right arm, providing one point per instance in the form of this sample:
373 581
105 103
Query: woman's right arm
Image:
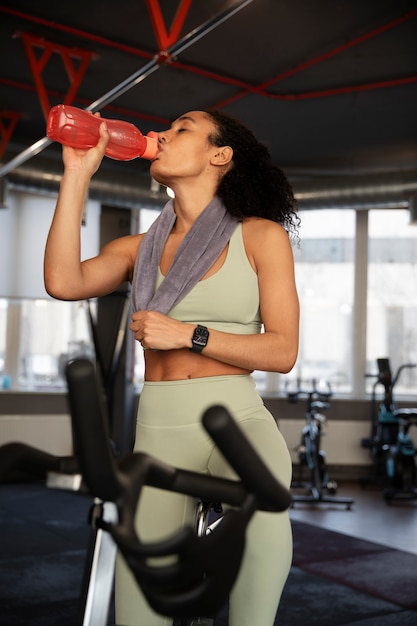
66 276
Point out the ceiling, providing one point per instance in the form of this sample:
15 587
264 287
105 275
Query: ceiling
329 85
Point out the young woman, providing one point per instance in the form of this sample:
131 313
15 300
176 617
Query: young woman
214 268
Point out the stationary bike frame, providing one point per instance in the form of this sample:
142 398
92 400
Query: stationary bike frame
391 446
100 564
320 489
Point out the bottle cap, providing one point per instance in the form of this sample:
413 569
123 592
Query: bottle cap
152 147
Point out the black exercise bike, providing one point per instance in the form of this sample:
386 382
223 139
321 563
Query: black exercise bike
201 569
311 458
391 447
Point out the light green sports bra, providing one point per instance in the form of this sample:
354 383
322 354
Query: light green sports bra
229 299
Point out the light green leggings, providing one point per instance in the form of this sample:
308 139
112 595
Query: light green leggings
168 428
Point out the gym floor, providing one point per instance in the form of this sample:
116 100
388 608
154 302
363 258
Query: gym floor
370 517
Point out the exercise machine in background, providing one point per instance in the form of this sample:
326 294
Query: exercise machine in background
391 447
313 475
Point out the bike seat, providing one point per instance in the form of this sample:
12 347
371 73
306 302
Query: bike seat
409 415
318 405
405 412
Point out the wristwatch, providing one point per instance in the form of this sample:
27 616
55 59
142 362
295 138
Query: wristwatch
199 338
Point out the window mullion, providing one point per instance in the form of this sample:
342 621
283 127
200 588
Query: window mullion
360 305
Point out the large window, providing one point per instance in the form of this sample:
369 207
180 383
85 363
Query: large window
331 349
337 250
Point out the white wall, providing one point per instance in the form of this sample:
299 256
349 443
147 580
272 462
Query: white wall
24 227
51 433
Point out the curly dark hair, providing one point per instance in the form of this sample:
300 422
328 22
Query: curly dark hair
254 186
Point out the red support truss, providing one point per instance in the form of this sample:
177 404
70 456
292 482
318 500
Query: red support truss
75 63
164 38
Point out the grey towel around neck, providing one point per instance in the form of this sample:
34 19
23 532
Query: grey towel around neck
199 249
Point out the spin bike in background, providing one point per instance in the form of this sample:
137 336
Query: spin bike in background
391 447
310 455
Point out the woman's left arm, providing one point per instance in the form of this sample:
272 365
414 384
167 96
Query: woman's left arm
269 251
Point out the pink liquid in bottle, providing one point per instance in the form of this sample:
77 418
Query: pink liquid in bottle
77 128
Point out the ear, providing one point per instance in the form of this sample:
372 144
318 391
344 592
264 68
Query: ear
222 155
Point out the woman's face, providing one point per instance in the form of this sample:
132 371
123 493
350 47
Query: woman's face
185 150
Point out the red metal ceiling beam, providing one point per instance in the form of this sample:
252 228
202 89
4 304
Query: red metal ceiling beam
83 101
136 77
128 49
261 89
349 44
76 32
246 88
337 91
308 95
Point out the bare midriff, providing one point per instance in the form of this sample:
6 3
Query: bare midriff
183 365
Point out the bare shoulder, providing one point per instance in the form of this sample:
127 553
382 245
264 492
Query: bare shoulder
264 238
255 227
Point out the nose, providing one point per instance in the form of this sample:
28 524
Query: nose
162 138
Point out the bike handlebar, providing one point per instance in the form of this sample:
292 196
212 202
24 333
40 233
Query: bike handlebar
385 377
106 477
26 458
312 392
400 369
249 466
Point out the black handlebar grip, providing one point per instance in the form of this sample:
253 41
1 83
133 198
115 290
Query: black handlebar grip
250 468
20 456
91 431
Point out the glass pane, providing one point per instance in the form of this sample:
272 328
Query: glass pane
37 338
324 265
392 295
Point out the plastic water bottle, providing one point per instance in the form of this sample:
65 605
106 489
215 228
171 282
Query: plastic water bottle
6 382
78 128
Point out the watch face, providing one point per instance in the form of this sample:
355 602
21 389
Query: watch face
200 336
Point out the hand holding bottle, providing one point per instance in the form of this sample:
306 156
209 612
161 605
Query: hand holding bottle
78 128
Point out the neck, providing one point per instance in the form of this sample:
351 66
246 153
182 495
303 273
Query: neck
188 206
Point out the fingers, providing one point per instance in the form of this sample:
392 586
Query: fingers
141 339
104 136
